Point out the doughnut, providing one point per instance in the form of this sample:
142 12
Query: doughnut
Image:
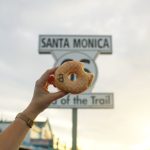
63 81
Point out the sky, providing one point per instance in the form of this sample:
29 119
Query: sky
126 72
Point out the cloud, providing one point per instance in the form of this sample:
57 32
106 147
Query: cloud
125 72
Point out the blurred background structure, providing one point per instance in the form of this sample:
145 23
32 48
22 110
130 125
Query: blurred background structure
40 137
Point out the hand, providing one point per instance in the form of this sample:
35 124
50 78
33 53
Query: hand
42 98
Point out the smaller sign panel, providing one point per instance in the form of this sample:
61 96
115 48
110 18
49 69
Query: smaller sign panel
86 100
100 43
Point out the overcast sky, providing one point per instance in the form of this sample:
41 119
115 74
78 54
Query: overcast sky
126 72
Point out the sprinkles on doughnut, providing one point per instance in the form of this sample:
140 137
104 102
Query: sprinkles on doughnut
63 81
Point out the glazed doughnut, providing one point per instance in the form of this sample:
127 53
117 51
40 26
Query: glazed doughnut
62 77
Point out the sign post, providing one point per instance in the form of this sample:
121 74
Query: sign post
74 128
85 49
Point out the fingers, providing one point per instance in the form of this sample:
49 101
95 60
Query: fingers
43 79
51 79
57 95
46 86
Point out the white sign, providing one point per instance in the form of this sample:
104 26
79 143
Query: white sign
102 44
86 100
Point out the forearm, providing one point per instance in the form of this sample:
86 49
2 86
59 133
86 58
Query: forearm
12 137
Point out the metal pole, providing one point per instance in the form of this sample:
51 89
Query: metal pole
74 129
57 143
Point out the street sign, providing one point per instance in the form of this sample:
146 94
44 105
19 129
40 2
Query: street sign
85 49
100 43
85 100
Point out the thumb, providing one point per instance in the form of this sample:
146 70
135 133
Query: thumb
57 95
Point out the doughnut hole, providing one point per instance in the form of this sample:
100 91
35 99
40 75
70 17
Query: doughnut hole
72 77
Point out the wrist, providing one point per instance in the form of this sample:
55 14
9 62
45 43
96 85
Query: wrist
29 122
30 112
